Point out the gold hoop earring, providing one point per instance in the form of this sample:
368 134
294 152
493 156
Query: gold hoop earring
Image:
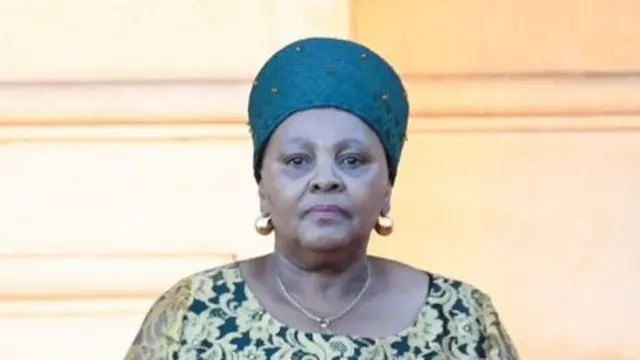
384 225
263 225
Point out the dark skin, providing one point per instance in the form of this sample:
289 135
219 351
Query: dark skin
324 184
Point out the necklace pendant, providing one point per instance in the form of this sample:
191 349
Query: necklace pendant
323 323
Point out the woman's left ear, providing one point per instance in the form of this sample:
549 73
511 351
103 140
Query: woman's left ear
386 204
265 207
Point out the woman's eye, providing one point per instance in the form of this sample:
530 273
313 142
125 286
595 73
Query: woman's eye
296 160
351 160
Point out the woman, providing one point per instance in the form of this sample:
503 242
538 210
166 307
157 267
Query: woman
328 120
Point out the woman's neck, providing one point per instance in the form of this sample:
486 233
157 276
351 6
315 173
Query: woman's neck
329 283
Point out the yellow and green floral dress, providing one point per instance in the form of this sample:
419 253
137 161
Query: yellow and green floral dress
213 316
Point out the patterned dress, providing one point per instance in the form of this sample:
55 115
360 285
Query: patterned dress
213 315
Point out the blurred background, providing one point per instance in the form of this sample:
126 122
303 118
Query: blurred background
125 161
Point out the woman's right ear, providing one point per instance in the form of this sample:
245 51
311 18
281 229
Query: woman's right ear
265 208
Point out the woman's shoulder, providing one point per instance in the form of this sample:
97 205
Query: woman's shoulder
470 311
446 287
162 328
218 279
442 290
171 305
467 304
460 299
439 286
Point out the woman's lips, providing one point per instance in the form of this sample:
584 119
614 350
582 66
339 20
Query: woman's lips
327 211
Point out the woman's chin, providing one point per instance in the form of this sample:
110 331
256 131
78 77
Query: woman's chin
326 240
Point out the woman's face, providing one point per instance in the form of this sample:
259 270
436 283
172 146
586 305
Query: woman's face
325 180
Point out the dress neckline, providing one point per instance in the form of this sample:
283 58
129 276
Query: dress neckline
418 325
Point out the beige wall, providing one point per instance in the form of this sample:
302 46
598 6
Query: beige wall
522 169
520 174
473 36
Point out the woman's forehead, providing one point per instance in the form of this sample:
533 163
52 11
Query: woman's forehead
326 125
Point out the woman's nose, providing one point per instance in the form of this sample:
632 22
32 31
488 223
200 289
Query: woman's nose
326 180
326 185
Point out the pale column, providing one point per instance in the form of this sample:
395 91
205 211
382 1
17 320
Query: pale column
97 221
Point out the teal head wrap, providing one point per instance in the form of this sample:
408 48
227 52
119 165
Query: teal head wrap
326 72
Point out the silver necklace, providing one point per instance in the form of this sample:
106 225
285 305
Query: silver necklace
324 322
